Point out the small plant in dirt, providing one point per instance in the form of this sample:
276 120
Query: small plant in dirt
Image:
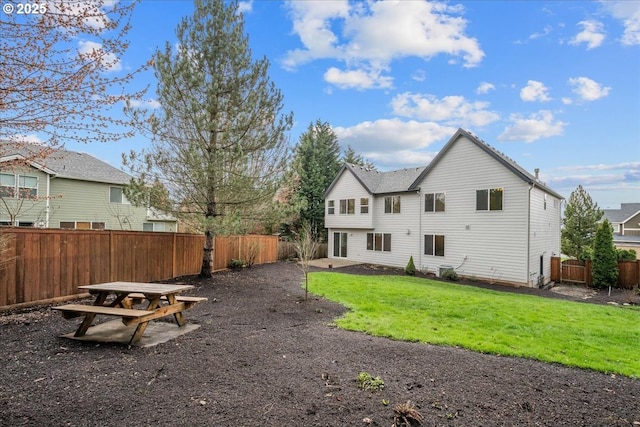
450 275
410 269
366 382
236 264
406 415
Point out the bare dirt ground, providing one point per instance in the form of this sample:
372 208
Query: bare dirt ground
265 357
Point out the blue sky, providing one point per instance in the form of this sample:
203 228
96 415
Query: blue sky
554 85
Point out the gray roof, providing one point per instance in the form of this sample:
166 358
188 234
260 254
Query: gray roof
376 182
509 163
68 164
403 180
626 211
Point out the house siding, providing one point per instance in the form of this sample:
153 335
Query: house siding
631 227
543 235
490 245
348 187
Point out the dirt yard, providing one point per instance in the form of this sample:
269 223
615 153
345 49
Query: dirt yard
265 357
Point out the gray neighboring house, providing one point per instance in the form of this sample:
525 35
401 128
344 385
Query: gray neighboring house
69 190
626 225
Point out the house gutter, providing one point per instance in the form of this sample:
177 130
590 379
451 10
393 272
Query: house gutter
532 186
419 192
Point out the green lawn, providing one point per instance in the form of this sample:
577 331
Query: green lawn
603 338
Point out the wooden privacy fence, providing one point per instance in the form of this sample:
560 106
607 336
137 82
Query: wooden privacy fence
574 271
287 250
48 265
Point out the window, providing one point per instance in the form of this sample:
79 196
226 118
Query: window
331 207
27 186
433 244
379 242
434 202
392 204
153 226
348 206
82 225
116 195
489 200
7 185
364 205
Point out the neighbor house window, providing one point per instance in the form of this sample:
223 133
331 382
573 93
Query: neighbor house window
348 206
489 200
153 226
82 225
364 205
7 185
434 244
27 186
116 195
379 242
434 202
392 204
331 207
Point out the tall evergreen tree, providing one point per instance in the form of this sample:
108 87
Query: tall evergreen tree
605 257
350 156
316 163
219 143
580 222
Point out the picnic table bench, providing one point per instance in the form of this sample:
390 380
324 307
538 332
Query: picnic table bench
163 300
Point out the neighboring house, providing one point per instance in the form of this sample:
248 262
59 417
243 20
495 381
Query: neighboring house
71 190
626 226
472 209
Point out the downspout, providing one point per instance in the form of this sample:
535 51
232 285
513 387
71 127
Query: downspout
533 184
419 192
47 205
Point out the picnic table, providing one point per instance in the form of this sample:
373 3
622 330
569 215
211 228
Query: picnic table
161 300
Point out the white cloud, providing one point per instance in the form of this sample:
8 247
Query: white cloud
587 89
88 12
147 103
485 88
358 79
391 135
528 129
245 6
534 91
93 51
629 13
452 110
545 32
351 33
29 139
592 34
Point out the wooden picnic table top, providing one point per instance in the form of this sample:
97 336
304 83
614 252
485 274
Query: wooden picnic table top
130 287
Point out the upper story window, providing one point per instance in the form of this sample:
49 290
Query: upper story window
331 207
392 204
434 202
364 205
348 206
116 195
25 187
489 200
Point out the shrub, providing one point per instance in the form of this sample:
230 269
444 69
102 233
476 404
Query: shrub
626 254
450 275
236 264
605 257
366 382
411 267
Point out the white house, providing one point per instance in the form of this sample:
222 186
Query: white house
472 209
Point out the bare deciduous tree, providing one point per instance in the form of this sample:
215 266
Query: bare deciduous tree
306 247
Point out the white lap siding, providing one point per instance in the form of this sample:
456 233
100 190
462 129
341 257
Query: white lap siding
348 187
489 245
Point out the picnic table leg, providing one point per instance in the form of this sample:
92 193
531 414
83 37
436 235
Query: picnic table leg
153 304
178 316
88 319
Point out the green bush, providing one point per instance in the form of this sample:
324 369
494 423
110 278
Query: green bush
626 254
605 257
450 275
411 267
366 382
236 264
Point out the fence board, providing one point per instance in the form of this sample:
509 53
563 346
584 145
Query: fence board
581 272
45 264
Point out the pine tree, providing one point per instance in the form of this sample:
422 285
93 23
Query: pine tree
350 156
580 222
316 163
218 141
605 257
